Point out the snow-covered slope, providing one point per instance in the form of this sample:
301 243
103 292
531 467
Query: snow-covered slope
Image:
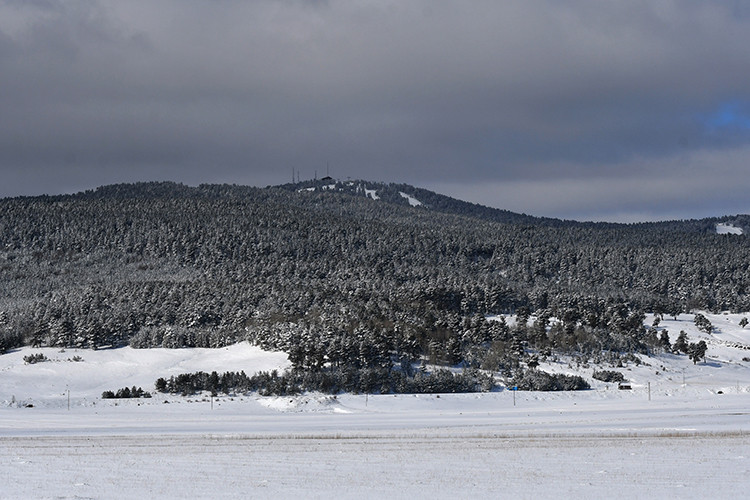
412 200
369 190
682 428
669 393
87 373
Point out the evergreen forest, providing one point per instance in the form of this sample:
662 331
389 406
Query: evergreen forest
358 286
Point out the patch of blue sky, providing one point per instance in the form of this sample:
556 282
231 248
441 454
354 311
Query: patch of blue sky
729 116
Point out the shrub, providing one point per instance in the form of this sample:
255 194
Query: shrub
537 380
35 358
608 376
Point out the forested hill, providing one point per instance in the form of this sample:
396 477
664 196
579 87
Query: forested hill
395 194
406 195
321 262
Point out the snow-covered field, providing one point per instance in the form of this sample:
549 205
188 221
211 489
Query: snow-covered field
682 431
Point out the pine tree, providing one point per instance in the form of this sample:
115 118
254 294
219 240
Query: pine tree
702 323
664 340
697 351
681 344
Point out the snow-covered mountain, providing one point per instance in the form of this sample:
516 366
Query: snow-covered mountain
364 291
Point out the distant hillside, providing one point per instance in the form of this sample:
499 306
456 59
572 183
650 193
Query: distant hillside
347 274
400 194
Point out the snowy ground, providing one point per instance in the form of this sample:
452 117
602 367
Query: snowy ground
683 431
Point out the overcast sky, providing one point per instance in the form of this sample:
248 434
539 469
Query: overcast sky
586 109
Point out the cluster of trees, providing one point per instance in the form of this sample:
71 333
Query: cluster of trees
126 393
343 282
608 376
331 381
538 380
695 350
9 336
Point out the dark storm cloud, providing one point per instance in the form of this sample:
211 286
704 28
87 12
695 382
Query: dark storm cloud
563 108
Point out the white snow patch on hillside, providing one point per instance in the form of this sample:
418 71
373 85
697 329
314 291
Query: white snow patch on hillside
372 194
412 201
726 329
509 319
726 228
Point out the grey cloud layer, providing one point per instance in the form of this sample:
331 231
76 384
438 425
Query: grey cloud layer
460 94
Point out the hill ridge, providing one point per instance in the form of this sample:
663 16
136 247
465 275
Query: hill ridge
391 193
